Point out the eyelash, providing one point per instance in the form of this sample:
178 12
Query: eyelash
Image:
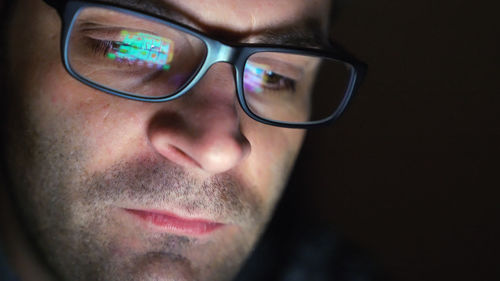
102 47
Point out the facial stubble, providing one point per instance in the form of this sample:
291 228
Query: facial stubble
68 212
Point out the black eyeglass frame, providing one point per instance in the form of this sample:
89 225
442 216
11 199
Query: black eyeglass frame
217 51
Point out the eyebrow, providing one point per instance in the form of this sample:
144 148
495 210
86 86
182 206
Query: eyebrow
306 33
309 35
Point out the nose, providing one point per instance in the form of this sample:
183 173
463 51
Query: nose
201 130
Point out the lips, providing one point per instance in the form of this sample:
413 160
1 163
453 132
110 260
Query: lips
168 222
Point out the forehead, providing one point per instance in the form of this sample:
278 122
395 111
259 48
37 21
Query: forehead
241 18
245 15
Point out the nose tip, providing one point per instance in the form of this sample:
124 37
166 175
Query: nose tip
210 149
217 153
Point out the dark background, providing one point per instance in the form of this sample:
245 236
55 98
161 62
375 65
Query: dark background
410 171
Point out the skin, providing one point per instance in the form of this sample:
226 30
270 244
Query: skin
77 157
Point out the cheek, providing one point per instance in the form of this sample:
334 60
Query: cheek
273 154
101 126
54 105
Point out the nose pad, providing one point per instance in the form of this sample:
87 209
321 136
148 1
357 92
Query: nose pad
202 129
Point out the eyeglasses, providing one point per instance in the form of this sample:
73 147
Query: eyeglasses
141 57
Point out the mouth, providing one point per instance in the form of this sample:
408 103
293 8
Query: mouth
168 222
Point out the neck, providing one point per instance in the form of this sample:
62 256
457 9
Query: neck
19 251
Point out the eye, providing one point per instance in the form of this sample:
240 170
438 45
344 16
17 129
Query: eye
274 81
260 77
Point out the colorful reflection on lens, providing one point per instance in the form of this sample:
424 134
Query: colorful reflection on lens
255 75
143 48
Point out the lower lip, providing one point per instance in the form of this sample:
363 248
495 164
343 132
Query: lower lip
166 222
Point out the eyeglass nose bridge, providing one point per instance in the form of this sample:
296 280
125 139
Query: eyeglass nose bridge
217 52
220 52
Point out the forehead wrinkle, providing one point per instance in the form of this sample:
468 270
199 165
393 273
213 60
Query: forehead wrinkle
168 11
308 32
159 8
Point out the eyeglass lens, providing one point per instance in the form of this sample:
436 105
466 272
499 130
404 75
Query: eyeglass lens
294 88
132 54
142 57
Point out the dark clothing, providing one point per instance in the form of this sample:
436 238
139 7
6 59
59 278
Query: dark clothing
305 254
6 274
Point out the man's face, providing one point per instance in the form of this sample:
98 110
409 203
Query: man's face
115 189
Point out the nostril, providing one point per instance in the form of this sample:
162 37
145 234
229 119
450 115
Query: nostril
213 152
177 155
167 132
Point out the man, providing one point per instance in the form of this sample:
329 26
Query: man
134 150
